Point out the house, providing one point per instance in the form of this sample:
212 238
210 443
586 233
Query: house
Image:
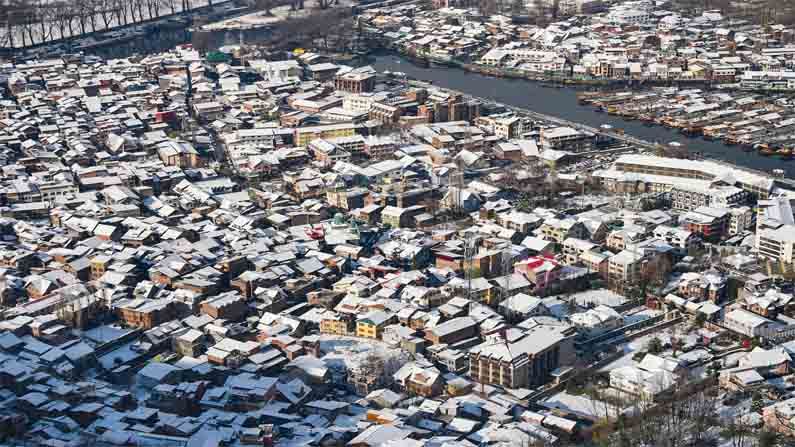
380 435
520 307
755 367
542 272
538 246
190 343
146 314
651 378
156 373
597 321
558 230
712 224
452 331
780 417
180 154
419 380
749 324
228 306
372 324
461 199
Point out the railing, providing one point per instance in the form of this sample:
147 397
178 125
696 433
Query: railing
623 330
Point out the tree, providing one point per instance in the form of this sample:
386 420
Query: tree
14 14
487 8
699 320
738 433
654 346
517 7
676 344
767 438
757 403
201 40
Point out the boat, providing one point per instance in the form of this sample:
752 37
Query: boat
766 152
784 152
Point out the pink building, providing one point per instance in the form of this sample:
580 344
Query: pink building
541 271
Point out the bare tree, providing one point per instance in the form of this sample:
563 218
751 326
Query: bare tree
738 433
201 41
682 415
517 7
487 8
13 14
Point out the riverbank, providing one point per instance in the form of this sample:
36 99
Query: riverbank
570 79
562 102
552 77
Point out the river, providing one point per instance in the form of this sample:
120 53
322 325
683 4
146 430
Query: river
562 102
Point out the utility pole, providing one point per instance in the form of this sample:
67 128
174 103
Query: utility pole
469 255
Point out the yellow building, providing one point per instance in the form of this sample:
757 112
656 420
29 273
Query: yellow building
305 135
336 326
372 324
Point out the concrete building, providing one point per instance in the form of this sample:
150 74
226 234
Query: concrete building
522 359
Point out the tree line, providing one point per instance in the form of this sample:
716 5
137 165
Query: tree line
30 22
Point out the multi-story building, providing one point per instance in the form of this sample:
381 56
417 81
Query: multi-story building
710 223
596 262
337 324
328 153
574 248
372 325
685 196
453 331
146 314
631 234
384 113
741 219
775 220
650 260
355 81
362 102
228 306
777 244
304 135
703 286
677 237
748 323
567 139
558 230
668 172
522 359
